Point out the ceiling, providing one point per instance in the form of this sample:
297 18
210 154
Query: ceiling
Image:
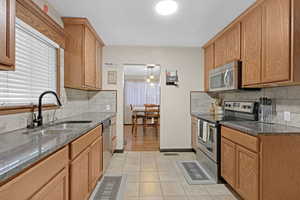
134 22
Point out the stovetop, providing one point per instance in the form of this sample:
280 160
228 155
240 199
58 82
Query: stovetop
217 118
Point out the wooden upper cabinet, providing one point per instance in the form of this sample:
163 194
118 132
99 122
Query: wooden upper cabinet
276 25
208 64
251 47
7 34
233 43
90 59
83 55
247 173
99 50
228 46
220 51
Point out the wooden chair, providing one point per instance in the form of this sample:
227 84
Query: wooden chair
134 119
152 114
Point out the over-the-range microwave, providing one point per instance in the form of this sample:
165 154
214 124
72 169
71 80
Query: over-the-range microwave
226 77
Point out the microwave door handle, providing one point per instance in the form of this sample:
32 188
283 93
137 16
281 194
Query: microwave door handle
226 81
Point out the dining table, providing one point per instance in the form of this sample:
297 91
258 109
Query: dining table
141 112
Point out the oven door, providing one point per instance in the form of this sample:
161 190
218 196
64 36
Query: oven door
208 139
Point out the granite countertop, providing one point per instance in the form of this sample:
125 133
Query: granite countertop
208 116
21 148
256 128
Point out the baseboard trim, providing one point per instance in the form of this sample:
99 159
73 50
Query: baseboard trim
176 150
119 151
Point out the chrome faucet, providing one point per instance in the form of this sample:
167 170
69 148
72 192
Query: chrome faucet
39 119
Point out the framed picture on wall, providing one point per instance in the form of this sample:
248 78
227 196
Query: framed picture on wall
112 77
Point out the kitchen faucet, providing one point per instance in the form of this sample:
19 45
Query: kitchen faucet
39 119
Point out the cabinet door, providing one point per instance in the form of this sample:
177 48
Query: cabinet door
233 43
276 41
194 134
98 65
7 34
79 177
57 188
246 173
208 64
95 163
228 164
90 59
251 47
220 51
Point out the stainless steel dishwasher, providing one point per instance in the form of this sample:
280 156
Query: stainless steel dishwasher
107 144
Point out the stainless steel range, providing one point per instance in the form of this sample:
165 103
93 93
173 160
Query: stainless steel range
209 133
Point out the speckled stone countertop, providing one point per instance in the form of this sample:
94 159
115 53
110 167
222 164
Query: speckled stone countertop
208 116
21 148
256 128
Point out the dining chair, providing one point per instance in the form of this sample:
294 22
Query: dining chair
152 114
135 116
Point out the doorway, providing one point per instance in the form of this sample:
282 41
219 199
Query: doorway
141 107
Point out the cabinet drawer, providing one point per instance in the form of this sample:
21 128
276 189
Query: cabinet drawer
84 141
250 142
32 180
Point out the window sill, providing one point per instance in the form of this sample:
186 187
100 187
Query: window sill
24 109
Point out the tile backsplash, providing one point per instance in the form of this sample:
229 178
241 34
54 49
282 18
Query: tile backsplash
74 102
200 102
285 99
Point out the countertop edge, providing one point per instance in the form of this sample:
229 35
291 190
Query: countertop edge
9 175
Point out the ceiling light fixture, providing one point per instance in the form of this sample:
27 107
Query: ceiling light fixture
166 7
151 77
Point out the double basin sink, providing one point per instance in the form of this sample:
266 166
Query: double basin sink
63 127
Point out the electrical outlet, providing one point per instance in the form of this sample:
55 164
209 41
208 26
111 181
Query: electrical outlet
287 116
107 107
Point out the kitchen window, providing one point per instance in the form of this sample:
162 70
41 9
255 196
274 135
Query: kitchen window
37 70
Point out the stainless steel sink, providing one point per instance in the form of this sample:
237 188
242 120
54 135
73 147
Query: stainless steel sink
75 122
55 131
64 127
70 125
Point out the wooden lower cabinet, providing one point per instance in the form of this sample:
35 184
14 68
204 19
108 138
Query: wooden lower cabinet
57 188
87 167
246 173
79 177
228 163
61 176
240 165
194 132
95 163
47 178
263 167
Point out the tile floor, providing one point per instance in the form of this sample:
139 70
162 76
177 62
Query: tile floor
153 176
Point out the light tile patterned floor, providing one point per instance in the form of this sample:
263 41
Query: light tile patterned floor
153 176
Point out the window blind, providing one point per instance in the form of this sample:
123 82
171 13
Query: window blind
36 69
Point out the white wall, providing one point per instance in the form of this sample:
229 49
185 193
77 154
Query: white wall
175 102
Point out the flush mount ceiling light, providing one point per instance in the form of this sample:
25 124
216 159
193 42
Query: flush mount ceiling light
166 7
